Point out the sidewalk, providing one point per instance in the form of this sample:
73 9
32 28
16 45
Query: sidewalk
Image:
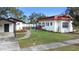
51 46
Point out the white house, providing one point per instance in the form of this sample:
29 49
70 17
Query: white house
20 25
30 25
62 23
7 27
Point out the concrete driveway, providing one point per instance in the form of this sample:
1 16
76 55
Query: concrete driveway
9 44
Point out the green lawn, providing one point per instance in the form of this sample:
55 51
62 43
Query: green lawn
43 37
74 47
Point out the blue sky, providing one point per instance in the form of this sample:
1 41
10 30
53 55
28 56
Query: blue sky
48 11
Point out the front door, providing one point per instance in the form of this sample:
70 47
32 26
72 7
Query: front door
6 27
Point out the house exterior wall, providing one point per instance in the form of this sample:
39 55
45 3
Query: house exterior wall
57 26
11 26
62 30
1 27
30 25
69 29
49 27
19 26
71 26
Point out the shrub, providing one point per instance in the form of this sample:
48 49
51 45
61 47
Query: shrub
39 27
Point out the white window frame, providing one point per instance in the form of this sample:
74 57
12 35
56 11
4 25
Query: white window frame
65 24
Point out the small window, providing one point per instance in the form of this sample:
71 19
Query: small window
65 24
46 24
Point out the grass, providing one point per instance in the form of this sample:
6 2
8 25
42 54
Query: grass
74 47
20 34
43 37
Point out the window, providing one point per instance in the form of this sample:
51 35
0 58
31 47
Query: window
43 24
46 24
65 24
51 23
39 24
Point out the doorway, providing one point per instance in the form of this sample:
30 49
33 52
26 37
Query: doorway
6 27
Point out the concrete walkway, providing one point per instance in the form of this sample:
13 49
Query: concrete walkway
6 35
52 45
27 35
9 43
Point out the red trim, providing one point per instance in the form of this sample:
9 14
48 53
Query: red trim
64 17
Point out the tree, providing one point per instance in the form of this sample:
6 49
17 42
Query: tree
24 18
74 12
33 17
13 12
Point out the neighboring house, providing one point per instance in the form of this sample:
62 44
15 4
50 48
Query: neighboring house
62 23
8 26
30 25
20 25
